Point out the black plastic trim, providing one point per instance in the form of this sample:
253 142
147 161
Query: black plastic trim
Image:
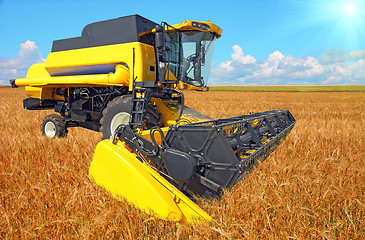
38 104
12 83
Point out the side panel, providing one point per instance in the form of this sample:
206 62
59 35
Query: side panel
142 54
42 93
38 71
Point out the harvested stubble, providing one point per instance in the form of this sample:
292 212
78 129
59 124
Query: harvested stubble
312 186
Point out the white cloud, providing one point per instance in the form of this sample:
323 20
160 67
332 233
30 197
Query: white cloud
275 57
239 56
336 55
17 67
240 64
281 69
357 70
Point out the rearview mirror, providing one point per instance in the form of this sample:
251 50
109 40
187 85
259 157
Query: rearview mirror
159 37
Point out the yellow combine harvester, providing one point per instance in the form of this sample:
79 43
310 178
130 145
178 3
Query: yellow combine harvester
123 77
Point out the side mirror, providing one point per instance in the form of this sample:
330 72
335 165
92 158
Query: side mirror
159 37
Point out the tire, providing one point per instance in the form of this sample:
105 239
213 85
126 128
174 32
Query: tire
116 112
54 126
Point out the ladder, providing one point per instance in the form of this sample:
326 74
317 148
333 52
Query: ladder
140 98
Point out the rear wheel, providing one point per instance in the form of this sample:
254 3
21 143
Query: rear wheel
54 126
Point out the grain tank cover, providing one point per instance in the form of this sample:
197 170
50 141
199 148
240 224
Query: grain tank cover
114 31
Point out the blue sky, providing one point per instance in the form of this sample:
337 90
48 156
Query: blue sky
275 42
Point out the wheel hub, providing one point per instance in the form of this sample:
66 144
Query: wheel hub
119 119
50 129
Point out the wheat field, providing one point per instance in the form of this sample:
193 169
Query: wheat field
311 187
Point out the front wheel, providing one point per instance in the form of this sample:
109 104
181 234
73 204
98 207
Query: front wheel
54 126
115 114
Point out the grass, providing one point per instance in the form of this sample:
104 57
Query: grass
312 186
293 88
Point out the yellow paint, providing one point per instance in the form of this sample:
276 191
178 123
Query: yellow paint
118 53
34 92
144 59
170 113
38 70
186 86
119 78
35 71
146 134
167 113
254 123
170 76
187 25
42 93
126 177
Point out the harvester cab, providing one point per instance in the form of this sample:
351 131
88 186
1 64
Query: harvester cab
186 49
123 77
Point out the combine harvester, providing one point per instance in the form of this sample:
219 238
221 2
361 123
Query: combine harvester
123 77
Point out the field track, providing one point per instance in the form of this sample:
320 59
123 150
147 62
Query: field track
312 186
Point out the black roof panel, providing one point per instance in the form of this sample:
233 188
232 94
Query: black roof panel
114 31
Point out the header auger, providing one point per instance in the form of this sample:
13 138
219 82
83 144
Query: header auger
123 77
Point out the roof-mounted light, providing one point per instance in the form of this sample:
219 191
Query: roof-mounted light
188 25
201 26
